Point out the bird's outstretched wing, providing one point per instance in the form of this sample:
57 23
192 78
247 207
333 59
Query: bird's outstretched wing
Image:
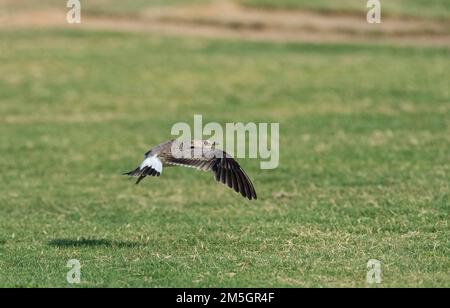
225 168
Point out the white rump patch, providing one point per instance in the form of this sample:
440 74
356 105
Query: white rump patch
153 162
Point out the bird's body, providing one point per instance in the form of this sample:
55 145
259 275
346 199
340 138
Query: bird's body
198 154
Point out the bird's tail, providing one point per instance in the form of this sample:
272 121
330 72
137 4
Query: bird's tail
142 173
135 172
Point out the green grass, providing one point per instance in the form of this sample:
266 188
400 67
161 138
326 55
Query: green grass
436 9
364 170
415 8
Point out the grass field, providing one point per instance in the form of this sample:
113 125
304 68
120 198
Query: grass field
439 9
364 169
413 8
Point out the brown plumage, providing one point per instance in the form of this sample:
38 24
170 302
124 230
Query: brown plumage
198 154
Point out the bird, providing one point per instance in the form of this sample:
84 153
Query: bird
201 155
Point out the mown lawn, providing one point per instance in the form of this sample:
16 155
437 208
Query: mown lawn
435 9
413 8
364 170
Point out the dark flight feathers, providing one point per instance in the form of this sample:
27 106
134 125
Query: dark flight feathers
226 170
141 174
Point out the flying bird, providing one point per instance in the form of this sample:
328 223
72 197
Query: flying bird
201 155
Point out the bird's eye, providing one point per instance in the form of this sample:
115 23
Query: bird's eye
192 146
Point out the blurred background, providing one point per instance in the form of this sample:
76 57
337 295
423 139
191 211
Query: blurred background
364 113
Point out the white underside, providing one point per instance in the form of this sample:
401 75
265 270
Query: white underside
153 162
